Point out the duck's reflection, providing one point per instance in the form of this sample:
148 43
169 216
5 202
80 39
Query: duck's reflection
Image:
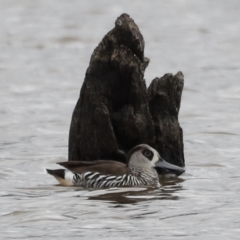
168 191
170 181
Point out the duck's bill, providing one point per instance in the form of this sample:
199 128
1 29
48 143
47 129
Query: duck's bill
163 167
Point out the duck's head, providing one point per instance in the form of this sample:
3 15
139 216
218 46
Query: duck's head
145 156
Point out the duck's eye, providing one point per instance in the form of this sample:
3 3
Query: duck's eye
148 154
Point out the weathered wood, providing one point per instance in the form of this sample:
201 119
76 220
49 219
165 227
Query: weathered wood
115 111
164 103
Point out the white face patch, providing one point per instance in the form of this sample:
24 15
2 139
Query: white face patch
156 156
138 159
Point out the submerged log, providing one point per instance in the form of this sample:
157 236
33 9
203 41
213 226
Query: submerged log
116 111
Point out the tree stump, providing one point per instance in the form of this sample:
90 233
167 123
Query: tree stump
116 111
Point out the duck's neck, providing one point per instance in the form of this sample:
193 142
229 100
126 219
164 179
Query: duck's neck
146 176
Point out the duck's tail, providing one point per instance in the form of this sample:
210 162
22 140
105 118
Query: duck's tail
64 177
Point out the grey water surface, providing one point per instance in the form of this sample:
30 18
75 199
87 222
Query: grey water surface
45 50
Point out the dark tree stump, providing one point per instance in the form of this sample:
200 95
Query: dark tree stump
115 111
164 104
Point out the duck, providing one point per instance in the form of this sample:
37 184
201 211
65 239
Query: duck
143 167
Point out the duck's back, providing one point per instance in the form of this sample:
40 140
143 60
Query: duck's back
103 167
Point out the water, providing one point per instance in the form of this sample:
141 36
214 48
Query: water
45 50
